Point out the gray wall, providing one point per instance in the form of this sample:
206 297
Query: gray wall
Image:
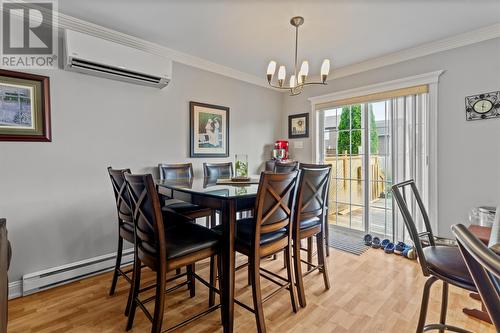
468 152
57 196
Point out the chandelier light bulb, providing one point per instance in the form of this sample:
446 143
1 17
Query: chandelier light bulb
281 73
304 69
292 81
271 68
325 69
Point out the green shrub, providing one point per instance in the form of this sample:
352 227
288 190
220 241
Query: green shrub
344 143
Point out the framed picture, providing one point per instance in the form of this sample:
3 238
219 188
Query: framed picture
209 130
24 107
298 126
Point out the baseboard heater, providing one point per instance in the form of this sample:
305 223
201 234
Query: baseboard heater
58 276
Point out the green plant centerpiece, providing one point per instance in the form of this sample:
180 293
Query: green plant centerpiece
241 166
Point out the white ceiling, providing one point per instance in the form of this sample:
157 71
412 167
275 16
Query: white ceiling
245 34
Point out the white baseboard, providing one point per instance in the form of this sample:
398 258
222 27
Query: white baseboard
56 276
15 289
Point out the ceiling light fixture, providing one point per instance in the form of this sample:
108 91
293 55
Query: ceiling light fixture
298 79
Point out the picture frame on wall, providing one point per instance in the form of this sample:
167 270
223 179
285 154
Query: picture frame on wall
298 126
209 130
24 107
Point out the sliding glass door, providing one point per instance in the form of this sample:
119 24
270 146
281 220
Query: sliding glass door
370 146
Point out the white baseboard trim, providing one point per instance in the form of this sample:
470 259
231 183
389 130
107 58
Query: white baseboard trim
15 289
57 276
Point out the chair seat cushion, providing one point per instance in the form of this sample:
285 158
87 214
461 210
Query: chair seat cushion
186 238
180 205
448 262
245 230
310 222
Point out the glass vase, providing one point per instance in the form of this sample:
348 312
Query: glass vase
241 166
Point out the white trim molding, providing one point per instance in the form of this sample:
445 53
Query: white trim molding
15 289
432 80
427 78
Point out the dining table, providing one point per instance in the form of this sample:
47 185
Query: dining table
226 197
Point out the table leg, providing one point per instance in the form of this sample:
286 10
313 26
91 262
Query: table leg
228 219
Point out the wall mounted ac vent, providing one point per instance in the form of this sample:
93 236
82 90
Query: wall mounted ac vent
95 56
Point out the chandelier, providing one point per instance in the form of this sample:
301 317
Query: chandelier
298 80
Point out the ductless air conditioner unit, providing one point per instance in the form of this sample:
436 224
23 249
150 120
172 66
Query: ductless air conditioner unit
95 56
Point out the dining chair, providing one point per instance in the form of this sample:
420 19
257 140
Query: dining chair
326 230
308 222
183 171
125 223
269 232
166 242
484 267
282 167
443 263
218 170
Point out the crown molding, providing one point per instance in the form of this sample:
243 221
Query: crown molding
475 36
464 39
412 81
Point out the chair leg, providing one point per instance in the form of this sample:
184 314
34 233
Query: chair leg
213 274
444 306
327 235
309 252
131 289
159 301
425 303
191 280
257 296
322 258
297 265
208 221
136 282
249 275
288 260
118 262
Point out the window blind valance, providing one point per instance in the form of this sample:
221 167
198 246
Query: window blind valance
415 90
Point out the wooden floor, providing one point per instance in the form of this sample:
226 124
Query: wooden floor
374 292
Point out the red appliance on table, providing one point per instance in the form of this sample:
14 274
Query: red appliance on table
280 151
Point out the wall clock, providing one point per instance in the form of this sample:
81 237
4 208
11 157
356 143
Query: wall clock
483 106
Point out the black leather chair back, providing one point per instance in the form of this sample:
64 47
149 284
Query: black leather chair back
400 195
121 194
312 192
175 171
283 167
148 220
218 170
274 203
484 267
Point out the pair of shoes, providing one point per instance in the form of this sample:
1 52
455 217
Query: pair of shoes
368 239
399 248
376 242
384 243
389 248
409 252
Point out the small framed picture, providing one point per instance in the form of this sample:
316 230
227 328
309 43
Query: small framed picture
298 126
209 130
24 107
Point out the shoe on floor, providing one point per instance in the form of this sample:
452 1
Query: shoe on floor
376 242
368 239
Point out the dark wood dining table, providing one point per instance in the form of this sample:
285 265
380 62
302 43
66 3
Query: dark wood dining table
227 199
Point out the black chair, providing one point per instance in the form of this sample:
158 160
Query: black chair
309 216
484 267
443 263
326 230
166 242
125 223
283 167
218 170
182 172
269 232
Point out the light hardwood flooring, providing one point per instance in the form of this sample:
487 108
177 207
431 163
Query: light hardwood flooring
374 292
